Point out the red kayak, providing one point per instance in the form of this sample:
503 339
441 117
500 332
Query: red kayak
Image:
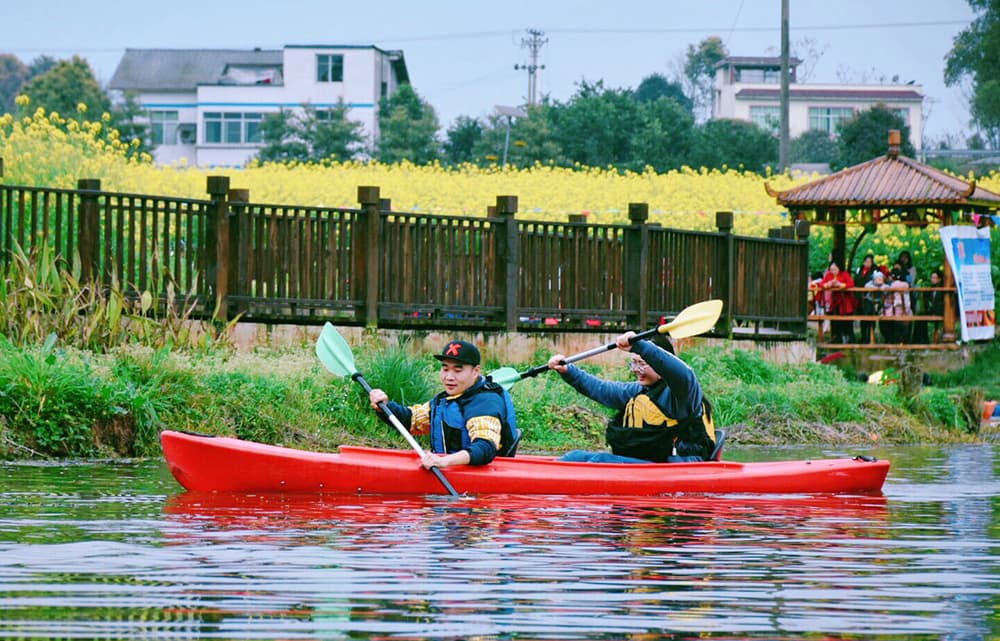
216 463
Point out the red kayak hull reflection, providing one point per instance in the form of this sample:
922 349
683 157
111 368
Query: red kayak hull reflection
206 463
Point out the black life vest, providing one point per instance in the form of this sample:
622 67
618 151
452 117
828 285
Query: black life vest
644 430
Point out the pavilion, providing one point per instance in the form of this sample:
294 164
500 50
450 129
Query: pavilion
896 190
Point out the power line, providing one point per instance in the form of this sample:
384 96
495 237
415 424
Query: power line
841 27
627 31
739 10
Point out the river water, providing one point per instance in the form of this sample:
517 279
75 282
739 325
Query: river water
117 550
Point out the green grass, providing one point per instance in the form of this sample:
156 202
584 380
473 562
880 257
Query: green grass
59 402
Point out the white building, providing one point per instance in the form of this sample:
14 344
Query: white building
206 105
749 88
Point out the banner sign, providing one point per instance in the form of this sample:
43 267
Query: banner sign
968 252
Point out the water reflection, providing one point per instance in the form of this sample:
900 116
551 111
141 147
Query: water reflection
549 564
118 551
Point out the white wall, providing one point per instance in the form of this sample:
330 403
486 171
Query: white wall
728 105
364 70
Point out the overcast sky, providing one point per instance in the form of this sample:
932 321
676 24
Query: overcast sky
461 54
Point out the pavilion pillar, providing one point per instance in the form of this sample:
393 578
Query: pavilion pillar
950 298
839 249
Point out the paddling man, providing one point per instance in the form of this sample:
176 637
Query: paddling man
662 417
470 423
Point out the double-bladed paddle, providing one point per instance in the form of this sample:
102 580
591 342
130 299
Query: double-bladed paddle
335 354
692 321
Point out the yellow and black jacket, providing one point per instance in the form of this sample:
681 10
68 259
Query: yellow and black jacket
669 419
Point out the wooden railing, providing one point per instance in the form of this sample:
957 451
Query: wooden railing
372 266
870 342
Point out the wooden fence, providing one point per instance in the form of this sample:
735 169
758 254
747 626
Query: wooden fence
376 267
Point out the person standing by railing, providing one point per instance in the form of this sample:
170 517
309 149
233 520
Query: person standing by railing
863 278
842 303
897 305
933 305
872 304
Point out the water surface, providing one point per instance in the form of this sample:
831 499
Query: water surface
118 550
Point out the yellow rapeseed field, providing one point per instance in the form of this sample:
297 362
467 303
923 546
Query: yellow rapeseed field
50 150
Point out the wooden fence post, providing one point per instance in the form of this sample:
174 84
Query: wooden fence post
507 280
238 267
369 249
89 242
217 245
802 230
637 265
724 223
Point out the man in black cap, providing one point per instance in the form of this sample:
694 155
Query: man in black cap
470 423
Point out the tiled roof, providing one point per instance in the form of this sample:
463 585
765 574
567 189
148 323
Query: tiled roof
889 180
183 69
830 94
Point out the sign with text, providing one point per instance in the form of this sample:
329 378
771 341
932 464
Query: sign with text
968 252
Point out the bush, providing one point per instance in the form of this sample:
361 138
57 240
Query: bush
50 405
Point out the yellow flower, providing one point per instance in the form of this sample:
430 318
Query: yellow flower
22 100
81 107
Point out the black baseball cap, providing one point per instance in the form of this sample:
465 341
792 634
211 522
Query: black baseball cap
460 351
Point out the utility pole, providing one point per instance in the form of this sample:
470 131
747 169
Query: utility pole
534 44
784 145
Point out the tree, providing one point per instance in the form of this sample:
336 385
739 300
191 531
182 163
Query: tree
310 135
408 128
462 137
331 134
735 144
657 86
975 58
532 139
866 135
13 74
127 118
596 126
665 136
281 135
699 69
815 146
65 86
41 64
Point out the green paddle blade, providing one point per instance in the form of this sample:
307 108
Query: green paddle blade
694 320
505 377
334 352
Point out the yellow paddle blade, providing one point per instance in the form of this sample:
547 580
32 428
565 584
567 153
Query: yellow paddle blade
693 320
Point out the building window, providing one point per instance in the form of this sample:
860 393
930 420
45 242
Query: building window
767 118
232 128
187 134
163 127
329 68
828 119
759 76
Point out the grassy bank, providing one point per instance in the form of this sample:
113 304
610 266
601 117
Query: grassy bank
63 402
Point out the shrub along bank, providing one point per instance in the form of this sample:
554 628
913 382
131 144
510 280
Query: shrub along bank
57 401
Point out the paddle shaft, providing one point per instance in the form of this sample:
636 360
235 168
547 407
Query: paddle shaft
405 433
538 369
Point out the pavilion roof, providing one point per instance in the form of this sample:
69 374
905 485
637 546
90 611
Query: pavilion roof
887 181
